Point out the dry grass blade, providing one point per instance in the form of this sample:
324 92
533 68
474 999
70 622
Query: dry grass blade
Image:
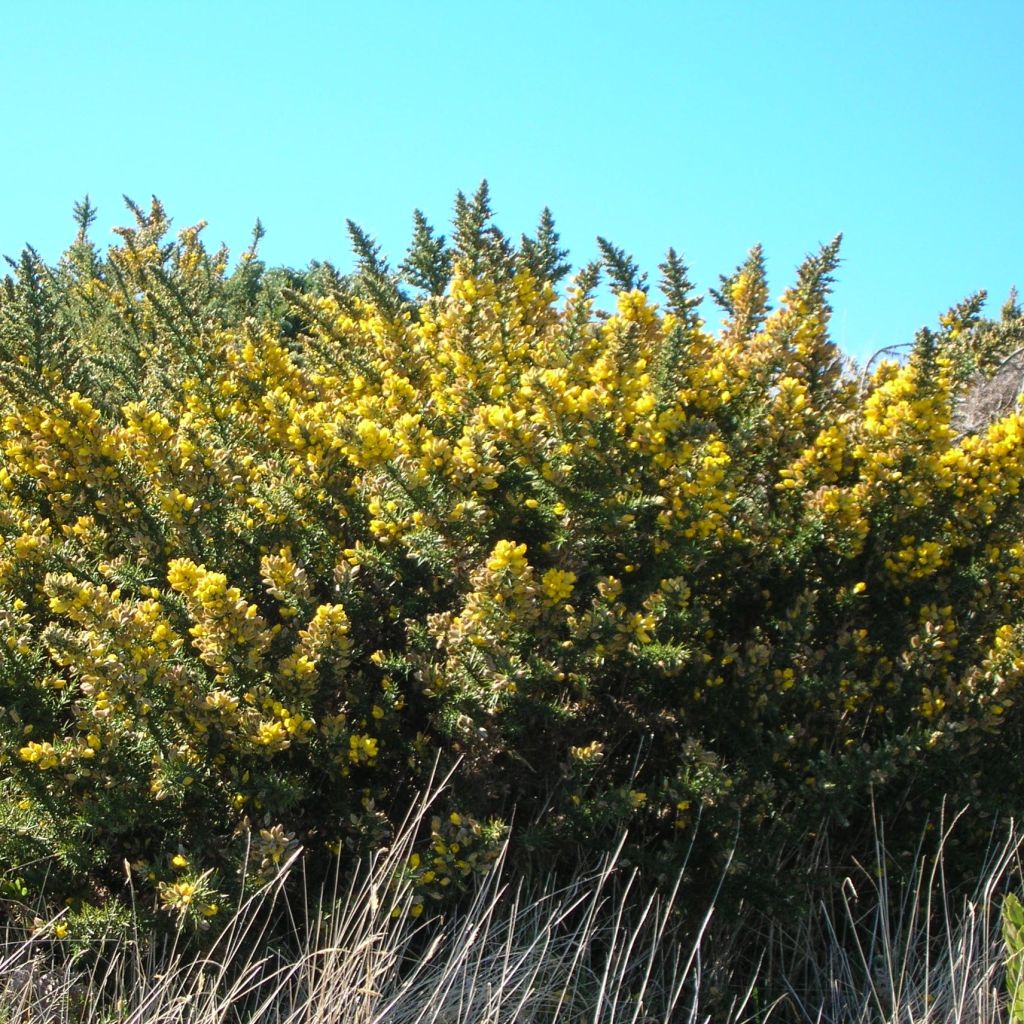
601 949
914 953
990 396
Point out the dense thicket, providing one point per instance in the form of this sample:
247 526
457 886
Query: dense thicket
275 546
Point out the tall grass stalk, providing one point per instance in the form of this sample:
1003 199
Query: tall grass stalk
597 949
601 949
904 949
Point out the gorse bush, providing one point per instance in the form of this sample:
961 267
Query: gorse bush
275 546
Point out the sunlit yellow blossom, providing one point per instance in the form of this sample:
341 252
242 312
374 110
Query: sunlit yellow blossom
177 895
42 755
558 584
507 556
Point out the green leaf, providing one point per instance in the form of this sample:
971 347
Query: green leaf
1013 939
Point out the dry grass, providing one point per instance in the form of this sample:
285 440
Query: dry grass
597 951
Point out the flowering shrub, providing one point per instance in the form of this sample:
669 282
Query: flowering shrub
273 545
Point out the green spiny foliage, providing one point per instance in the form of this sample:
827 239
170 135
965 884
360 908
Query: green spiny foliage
743 295
428 263
542 256
623 270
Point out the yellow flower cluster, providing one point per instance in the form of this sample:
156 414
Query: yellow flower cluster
42 755
558 584
229 632
459 847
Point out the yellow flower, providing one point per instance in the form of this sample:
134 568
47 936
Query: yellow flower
558 584
177 895
362 749
591 753
507 555
42 755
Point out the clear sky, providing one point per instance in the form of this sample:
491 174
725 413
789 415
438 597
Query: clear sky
706 126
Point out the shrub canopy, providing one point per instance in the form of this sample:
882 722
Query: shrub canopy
275 545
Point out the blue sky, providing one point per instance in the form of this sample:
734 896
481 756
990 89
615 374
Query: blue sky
706 126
